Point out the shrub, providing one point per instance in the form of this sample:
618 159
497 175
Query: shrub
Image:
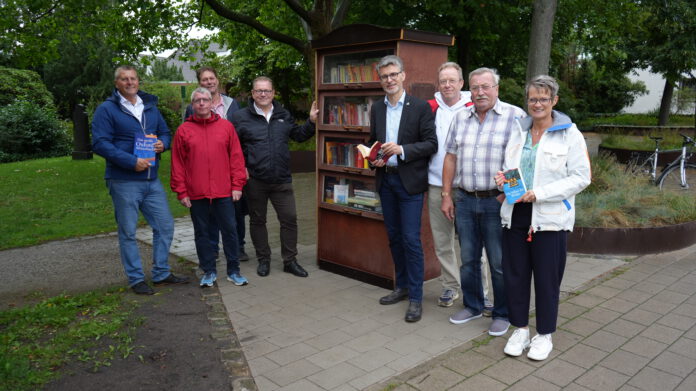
170 103
19 84
29 131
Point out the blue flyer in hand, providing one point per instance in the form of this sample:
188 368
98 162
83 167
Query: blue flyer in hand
514 186
145 148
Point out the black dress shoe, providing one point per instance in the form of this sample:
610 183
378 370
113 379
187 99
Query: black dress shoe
414 311
172 279
263 269
396 296
243 257
142 288
293 267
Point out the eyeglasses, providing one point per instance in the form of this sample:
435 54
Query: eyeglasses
201 100
484 88
543 101
388 76
448 81
262 92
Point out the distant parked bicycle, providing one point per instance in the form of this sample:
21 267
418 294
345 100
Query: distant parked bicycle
647 166
680 174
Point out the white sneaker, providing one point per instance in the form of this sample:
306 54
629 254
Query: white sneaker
540 347
518 342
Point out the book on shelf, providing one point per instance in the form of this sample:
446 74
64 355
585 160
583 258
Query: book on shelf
514 186
144 148
359 71
374 152
340 194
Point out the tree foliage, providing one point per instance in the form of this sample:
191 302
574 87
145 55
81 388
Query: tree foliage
20 84
30 131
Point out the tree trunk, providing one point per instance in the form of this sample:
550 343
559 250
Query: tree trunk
540 37
666 102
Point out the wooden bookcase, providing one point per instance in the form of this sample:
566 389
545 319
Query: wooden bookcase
351 237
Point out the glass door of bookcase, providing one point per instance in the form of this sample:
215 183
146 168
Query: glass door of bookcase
350 69
347 112
350 194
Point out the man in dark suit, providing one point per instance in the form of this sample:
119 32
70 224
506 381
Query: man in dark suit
406 127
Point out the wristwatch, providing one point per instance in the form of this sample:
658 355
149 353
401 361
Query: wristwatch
444 194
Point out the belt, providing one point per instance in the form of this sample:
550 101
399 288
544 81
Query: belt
391 169
483 193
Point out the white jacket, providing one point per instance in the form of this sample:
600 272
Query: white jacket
443 119
562 170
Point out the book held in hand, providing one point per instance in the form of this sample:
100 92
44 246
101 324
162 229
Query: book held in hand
374 152
513 186
145 147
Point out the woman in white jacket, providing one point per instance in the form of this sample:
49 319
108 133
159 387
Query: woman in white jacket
551 154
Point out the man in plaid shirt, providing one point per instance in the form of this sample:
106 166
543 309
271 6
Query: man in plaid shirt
475 153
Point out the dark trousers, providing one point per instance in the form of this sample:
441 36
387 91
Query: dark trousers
544 258
240 210
223 208
402 218
282 198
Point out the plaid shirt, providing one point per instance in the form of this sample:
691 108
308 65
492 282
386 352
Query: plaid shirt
480 146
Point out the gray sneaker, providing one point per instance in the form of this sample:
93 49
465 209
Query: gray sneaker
498 327
463 316
447 297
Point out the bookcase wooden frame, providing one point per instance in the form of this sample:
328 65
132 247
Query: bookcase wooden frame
352 241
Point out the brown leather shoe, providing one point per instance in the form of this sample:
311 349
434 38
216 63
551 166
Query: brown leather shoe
396 296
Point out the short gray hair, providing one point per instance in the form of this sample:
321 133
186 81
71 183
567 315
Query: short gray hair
544 83
450 64
201 90
481 71
124 68
390 60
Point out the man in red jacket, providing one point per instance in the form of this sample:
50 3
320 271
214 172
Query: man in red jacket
208 174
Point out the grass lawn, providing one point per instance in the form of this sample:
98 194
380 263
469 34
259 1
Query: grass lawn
57 198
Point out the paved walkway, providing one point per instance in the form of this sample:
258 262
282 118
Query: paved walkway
327 332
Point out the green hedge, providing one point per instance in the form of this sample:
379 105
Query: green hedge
29 131
170 103
19 84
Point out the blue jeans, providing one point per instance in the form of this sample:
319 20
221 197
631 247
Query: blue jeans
402 218
148 197
240 210
223 210
478 226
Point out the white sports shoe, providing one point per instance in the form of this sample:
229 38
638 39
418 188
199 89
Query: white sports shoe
540 347
518 342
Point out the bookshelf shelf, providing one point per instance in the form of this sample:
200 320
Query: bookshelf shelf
351 237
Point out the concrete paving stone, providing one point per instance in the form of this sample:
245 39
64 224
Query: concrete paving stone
684 346
533 383
493 347
618 305
479 382
261 365
570 310
603 291
344 387
301 385
509 370
323 326
335 376
408 343
257 349
288 374
583 355
290 337
605 341
601 315
624 328
367 342
651 379
332 356
637 315
362 327
260 308
373 359
647 268
677 321
575 387
635 276
586 300
673 363
600 378
683 287
292 353
657 306
686 310
469 362
582 326
438 347
688 384
408 361
625 362
564 340
264 384
628 387
377 375
618 283
691 334
634 296
645 347
559 372
331 338
666 279
436 379
662 333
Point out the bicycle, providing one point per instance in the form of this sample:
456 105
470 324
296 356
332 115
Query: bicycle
647 166
676 175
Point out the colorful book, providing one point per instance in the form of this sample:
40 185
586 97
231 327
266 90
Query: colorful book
145 148
513 186
374 152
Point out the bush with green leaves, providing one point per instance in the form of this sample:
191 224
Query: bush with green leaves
170 102
20 84
29 131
